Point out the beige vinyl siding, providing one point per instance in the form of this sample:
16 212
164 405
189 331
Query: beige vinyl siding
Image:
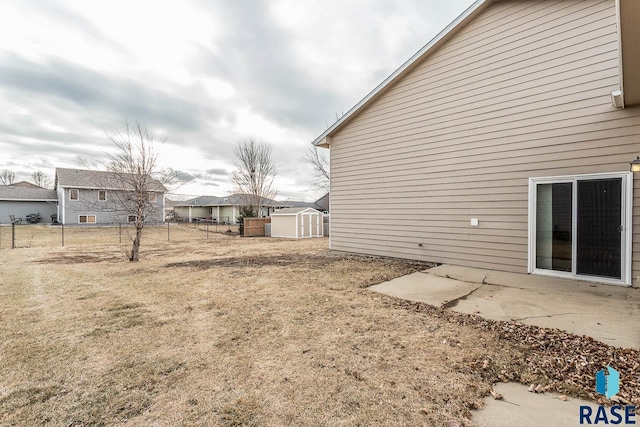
521 91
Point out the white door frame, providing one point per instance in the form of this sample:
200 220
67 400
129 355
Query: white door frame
627 212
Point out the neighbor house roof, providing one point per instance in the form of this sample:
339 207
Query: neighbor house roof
23 193
629 52
231 200
24 184
80 178
322 204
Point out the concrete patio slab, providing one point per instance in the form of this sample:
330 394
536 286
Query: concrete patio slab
519 407
608 313
424 287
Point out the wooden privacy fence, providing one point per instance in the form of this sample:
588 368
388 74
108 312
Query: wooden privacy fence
254 227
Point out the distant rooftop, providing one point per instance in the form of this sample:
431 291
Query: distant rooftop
20 192
80 178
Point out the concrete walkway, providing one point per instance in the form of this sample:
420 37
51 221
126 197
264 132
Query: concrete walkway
519 407
607 313
610 314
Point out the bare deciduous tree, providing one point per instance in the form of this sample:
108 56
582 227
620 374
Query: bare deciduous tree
7 177
319 163
135 170
40 179
255 173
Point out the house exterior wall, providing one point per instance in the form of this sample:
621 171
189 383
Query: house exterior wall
228 214
20 209
283 226
522 91
106 212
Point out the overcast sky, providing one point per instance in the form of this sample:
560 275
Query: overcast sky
205 74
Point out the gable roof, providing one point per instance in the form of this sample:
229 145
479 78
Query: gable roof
27 193
24 184
628 33
91 179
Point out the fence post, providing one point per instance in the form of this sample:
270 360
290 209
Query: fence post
168 231
13 235
119 232
207 225
63 235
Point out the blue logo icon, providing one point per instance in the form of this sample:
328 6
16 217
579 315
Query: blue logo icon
608 382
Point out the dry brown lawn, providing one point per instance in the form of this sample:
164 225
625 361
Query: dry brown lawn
230 332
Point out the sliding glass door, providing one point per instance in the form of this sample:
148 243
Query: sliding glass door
579 225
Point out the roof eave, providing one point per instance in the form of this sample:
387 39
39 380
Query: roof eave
29 200
472 11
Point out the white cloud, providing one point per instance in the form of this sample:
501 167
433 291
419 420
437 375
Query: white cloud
204 73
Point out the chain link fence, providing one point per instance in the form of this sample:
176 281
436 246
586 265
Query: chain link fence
49 235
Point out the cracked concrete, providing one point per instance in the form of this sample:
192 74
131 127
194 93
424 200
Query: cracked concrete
607 313
452 303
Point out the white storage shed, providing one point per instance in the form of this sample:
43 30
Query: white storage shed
297 223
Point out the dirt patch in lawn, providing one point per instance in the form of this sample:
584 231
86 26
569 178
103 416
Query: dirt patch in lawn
234 332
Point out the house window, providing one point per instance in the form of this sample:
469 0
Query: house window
87 219
74 194
102 195
153 197
132 218
580 226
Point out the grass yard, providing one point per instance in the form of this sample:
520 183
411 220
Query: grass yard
231 332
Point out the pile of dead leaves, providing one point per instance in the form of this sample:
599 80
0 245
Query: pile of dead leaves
563 362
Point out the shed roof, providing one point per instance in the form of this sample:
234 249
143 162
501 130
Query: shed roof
21 193
294 211
629 52
81 178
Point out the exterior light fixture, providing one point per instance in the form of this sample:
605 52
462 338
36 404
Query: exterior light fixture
635 165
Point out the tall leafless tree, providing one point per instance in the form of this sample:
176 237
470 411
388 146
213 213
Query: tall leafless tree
7 177
319 162
255 173
41 179
134 167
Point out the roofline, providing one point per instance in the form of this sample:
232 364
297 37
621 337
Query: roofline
28 200
294 213
84 187
441 37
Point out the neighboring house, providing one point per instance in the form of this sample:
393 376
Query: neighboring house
223 210
322 204
98 197
169 205
503 144
22 199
